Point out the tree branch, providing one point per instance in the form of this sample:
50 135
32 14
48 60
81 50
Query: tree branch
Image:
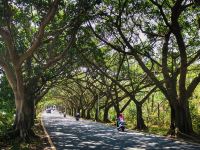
162 12
147 96
37 41
192 86
6 35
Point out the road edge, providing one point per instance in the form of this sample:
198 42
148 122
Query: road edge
47 135
149 134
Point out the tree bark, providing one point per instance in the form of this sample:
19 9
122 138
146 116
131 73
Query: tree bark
180 118
24 119
72 112
183 121
140 121
88 116
158 114
97 114
83 113
25 108
105 116
172 121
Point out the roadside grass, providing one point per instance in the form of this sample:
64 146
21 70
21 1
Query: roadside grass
37 143
157 130
162 131
153 129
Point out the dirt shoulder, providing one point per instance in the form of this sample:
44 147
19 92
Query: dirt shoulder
40 142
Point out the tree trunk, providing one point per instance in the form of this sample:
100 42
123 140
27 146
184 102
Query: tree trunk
152 103
75 112
117 110
24 119
70 111
78 110
172 121
105 116
180 118
88 114
140 121
96 114
158 114
83 113
183 121
25 106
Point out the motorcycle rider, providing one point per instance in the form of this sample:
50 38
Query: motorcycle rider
120 119
77 116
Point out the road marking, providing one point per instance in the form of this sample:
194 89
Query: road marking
47 135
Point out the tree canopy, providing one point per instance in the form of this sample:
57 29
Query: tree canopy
103 57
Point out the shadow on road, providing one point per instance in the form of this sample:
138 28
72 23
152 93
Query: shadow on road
66 133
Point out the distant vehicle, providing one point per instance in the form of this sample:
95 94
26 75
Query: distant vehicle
64 114
77 117
54 107
48 110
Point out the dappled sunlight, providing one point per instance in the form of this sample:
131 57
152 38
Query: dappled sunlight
135 148
135 133
67 133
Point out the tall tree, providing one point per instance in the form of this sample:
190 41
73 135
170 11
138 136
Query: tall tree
35 37
161 33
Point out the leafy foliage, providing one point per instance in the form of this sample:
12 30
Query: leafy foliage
120 50
6 105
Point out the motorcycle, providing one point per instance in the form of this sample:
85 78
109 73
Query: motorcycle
64 114
77 117
121 126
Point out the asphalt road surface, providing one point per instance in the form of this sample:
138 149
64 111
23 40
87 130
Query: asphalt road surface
67 133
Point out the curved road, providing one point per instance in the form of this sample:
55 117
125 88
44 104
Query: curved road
67 133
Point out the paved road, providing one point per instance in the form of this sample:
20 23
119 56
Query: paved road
67 133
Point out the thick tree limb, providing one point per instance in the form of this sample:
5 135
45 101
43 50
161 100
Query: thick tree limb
164 60
6 35
147 96
9 73
162 12
192 60
37 41
192 86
